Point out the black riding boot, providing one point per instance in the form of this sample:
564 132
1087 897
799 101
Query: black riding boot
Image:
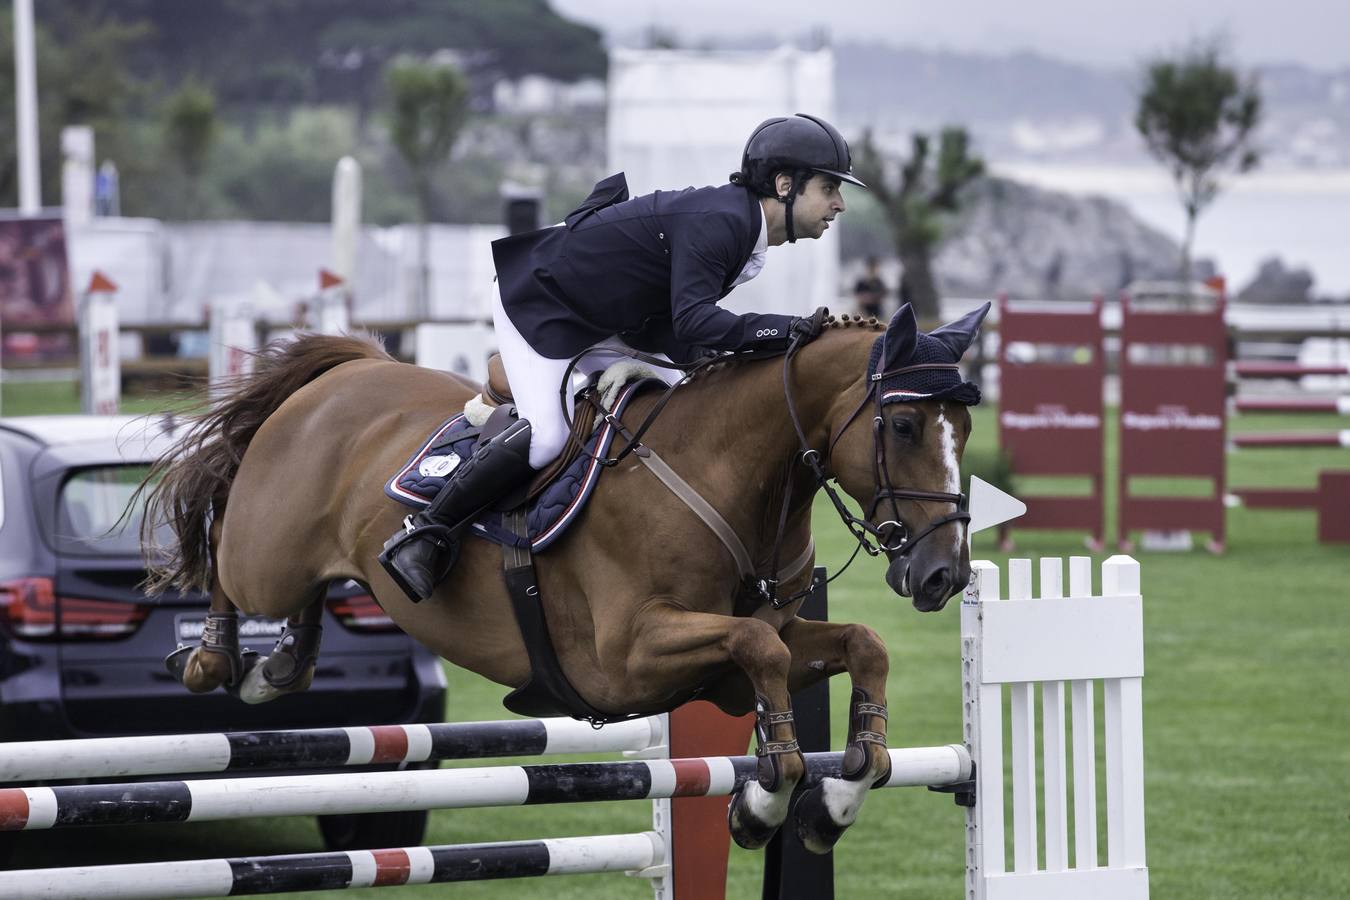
422 554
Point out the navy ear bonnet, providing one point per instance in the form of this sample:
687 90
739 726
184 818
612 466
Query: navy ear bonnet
913 365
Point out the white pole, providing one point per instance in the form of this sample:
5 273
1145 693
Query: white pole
77 174
346 218
25 104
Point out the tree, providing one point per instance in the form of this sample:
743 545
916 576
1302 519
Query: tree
189 133
918 207
1198 117
428 104
83 79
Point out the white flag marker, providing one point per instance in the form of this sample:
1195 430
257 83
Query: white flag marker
990 506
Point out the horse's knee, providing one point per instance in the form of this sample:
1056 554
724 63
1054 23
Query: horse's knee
755 646
865 650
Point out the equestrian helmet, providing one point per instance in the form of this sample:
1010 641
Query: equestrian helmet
800 143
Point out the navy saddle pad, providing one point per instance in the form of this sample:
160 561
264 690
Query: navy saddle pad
552 511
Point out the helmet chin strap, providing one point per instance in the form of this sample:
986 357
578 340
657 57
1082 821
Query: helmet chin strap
799 180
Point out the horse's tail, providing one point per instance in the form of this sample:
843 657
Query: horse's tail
190 483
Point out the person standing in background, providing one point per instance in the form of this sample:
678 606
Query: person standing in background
869 290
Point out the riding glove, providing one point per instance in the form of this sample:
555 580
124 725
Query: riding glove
804 328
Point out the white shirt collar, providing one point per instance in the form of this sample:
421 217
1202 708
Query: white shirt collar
756 261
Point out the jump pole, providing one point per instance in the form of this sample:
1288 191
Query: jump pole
1330 405
334 871
1292 439
36 808
1257 369
321 748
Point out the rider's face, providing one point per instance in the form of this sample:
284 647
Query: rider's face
816 206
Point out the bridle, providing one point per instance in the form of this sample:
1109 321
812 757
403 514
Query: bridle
892 535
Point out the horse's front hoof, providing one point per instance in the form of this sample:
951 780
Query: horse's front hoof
749 829
254 688
201 670
825 812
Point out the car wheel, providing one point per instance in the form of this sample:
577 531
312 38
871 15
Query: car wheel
373 831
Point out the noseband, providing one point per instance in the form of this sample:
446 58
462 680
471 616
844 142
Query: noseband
892 536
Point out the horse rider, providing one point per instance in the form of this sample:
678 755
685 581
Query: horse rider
644 273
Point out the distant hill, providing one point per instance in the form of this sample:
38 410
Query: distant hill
1026 107
267 52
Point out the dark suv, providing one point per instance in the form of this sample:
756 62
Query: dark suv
82 648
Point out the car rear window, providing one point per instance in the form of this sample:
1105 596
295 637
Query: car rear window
93 518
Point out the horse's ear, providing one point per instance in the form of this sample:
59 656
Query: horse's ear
959 335
901 337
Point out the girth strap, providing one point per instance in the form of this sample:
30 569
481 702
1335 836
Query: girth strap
548 691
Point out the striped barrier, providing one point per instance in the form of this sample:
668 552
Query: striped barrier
1293 439
35 808
350 869
1331 405
1063 640
321 748
1260 369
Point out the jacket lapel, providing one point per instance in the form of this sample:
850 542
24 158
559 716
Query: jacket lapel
748 237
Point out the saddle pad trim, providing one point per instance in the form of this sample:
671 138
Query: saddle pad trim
391 486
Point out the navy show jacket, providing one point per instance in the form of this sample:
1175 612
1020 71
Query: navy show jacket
649 269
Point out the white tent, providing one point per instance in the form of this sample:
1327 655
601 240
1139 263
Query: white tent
679 118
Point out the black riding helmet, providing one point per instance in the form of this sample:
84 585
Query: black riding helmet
801 145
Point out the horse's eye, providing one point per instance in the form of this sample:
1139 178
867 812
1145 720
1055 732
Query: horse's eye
904 426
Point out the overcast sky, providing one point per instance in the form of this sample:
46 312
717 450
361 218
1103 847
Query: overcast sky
1313 32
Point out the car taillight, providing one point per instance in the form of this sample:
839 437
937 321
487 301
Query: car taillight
360 612
29 606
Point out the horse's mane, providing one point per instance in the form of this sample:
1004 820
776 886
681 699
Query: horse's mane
731 364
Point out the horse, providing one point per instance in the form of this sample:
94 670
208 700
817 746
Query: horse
276 491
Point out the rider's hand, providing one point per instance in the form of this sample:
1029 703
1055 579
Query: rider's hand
804 328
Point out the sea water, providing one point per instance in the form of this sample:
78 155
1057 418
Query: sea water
1301 216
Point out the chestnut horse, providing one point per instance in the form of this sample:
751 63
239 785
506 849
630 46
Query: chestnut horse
277 491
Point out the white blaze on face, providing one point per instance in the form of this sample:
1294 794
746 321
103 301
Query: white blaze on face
947 437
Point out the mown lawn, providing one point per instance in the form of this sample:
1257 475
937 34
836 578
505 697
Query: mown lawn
1246 695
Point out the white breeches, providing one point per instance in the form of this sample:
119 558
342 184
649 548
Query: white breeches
535 381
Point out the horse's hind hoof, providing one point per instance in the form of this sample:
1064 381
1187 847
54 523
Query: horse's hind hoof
749 830
821 820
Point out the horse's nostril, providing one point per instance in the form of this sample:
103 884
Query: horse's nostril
938 583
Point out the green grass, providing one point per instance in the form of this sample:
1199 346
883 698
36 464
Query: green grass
1246 740
37 397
